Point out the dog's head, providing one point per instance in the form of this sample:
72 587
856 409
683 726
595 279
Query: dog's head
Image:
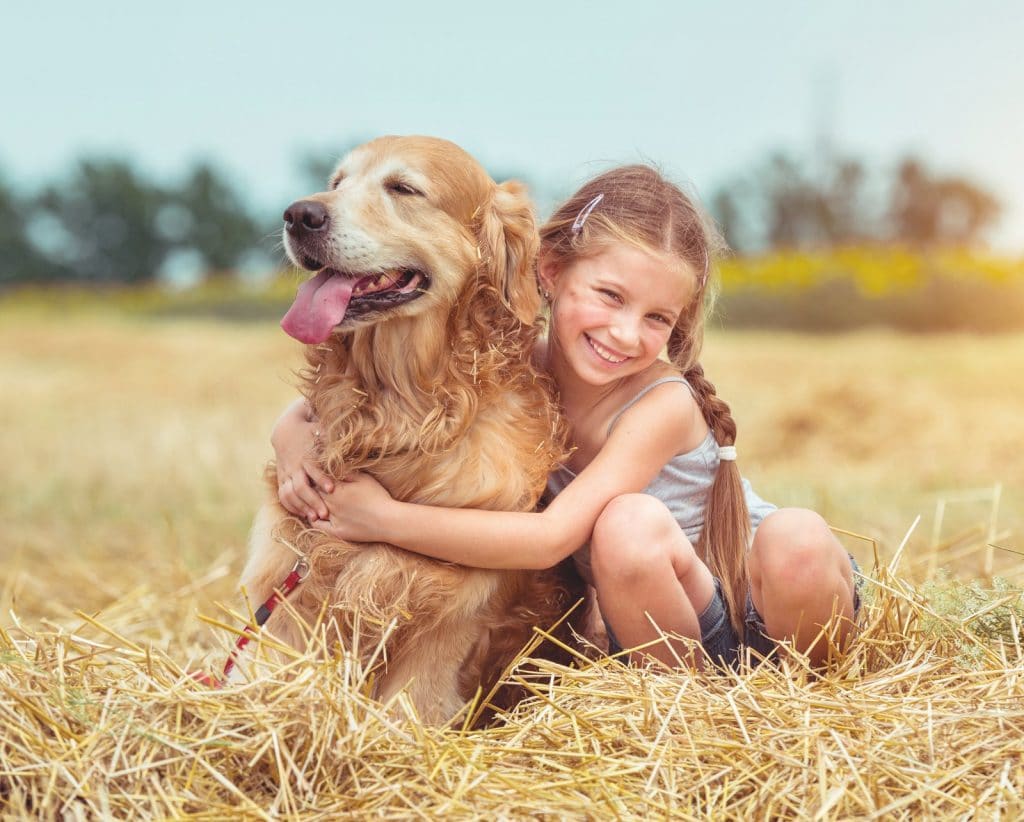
406 226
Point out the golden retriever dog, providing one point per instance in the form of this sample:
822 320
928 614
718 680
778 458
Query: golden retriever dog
419 322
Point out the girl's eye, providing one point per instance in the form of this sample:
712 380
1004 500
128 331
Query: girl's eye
660 318
610 294
404 189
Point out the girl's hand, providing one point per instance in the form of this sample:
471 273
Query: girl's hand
300 481
360 508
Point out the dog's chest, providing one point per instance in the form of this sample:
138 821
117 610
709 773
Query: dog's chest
437 453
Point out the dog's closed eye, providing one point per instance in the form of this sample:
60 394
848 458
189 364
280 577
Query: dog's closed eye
402 188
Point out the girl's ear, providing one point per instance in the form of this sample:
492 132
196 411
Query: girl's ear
508 243
547 272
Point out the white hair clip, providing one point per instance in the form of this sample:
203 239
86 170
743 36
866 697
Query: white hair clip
727 453
581 218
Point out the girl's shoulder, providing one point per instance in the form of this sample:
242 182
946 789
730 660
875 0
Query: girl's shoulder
663 395
660 385
655 405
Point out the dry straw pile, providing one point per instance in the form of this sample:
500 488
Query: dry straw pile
923 717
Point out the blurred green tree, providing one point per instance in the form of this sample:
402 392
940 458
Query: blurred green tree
106 224
206 215
929 210
100 226
843 212
20 260
789 202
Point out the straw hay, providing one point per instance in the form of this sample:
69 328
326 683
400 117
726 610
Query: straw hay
923 717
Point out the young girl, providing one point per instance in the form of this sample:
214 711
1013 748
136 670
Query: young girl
650 502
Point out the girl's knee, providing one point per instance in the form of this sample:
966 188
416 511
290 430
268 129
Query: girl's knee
634 535
633 518
793 545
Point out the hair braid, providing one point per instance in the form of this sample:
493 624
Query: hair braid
726 534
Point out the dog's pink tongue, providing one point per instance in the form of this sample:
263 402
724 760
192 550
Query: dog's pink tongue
319 306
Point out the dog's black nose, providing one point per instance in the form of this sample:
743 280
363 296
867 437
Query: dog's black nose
305 215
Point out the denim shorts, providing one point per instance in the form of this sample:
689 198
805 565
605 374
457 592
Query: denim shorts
719 639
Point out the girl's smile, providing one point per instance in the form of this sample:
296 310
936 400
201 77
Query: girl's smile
605 353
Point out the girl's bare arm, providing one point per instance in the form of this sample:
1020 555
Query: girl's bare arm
646 438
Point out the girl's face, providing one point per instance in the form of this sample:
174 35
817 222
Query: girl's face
612 313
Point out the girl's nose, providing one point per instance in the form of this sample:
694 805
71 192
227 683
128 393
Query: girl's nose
626 332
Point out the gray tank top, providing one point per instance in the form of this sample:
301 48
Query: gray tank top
682 484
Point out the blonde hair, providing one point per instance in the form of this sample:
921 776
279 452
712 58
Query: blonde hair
637 205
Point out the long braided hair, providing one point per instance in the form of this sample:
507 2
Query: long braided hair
639 206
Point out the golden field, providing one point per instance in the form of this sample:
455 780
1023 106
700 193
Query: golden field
133 448
132 451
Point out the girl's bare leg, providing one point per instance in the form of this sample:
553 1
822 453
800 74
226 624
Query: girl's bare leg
646 570
801 581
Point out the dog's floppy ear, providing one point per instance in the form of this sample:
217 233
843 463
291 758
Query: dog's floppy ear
508 245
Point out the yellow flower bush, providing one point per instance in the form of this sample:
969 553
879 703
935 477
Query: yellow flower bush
874 271
857 286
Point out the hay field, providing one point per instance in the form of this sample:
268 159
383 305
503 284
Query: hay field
131 453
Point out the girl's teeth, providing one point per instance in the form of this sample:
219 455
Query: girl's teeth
605 354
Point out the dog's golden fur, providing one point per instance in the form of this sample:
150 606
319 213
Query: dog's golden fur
438 399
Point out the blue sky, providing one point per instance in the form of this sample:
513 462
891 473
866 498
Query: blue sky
555 90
